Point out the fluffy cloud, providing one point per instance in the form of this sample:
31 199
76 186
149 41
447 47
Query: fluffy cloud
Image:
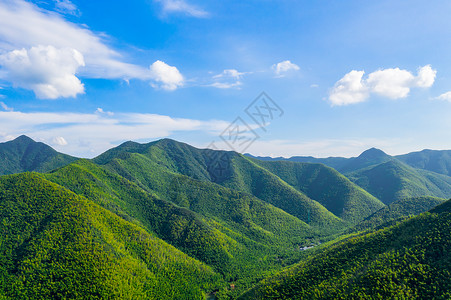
23 25
181 6
444 97
166 76
284 67
392 83
48 71
350 89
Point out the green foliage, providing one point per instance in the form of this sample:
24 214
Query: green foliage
410 260
395 180
432 160
398 210
325 185
23 154
57 245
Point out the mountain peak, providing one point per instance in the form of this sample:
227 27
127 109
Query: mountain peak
23 139
373 153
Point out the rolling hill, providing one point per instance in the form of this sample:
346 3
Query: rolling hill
410 260
391 178
330 188
56 244
394 180
23 155
398 210
432 160
166 220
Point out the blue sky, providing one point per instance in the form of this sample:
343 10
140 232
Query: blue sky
84 76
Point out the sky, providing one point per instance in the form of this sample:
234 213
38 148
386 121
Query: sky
267 77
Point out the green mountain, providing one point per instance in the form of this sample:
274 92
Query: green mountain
23 154
142 164
368 158
410 260
325 185
432 160
209 222
55 244
399 210
165 220
394 180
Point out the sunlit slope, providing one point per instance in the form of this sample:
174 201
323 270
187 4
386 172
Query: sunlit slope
410 260
327 186
56 244
23 154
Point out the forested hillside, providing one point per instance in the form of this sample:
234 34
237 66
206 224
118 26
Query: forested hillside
398 210
166 220
58 245
23 154
410 260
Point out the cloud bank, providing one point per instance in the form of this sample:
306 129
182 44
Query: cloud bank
48 71
89 134
390 83
32 37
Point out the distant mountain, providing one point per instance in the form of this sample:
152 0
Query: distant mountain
431 160
399 210
330 188
23 154
391 178
368 158
410 260
394 180
267 181
333 162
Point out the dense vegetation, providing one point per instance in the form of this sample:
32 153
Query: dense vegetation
23 154
410 260
432 160
165 220
398 210
394 180
333 190
57 245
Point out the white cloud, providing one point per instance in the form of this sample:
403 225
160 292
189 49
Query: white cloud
88 135
284 67
59 140
230 73
181 6
229 78
223 85
4 106
66 7
48 71
444 97
101 111
426 76
349 89
392 83
167 77
23 25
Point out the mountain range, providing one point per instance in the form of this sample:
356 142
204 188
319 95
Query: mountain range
166 220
